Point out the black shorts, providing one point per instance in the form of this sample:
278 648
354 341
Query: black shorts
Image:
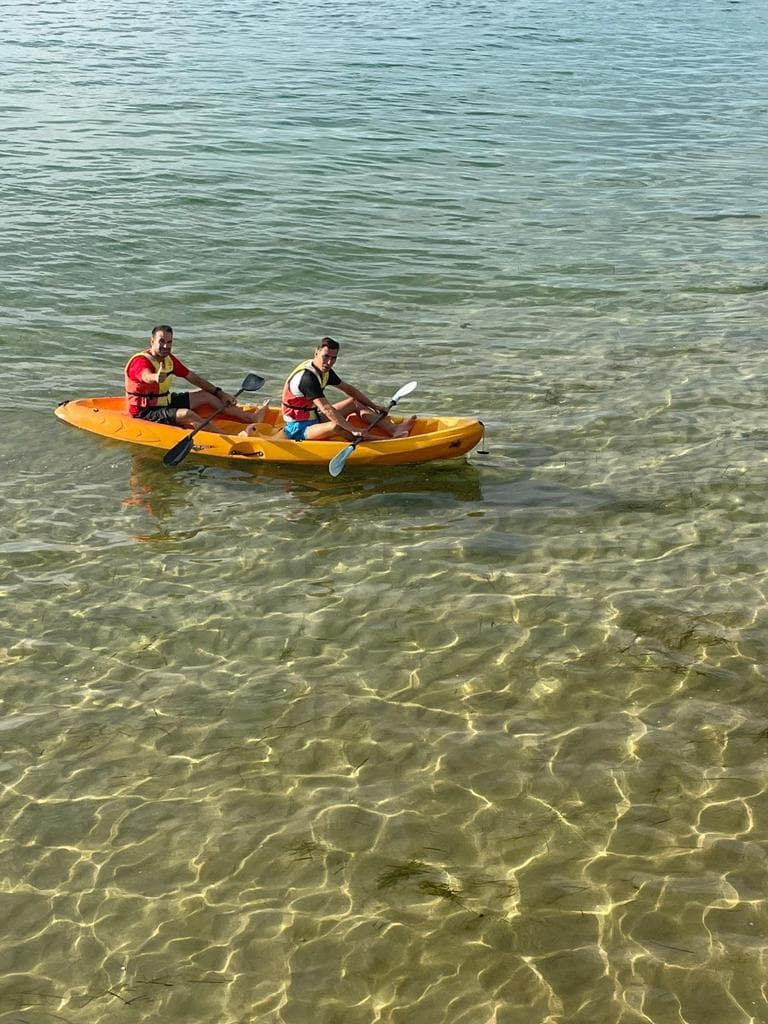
165 413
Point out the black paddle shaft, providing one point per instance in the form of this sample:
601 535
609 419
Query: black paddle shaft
180 451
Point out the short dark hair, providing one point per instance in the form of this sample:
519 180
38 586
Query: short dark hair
160 327
329 343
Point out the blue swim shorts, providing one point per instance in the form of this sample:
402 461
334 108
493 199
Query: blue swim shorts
295 430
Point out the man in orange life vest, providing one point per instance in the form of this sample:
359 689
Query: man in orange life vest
148 377
310 416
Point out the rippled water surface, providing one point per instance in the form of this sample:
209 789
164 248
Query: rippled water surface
481 742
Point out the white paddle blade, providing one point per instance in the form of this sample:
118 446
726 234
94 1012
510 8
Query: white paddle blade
406 389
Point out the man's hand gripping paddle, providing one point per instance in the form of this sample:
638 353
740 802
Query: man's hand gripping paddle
336 464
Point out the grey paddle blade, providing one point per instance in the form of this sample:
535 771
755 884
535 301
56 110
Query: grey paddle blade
336 464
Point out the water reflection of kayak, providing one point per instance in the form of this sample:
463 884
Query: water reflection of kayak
417 490
432 437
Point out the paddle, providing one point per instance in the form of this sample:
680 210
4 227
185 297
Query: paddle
336 464
179 452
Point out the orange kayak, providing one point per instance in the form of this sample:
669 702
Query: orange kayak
432 437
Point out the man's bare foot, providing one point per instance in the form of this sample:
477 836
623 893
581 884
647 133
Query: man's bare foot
405 427
261 412
250 430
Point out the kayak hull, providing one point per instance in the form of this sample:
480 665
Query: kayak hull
432 438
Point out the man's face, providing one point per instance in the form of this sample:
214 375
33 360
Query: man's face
324 358
160 344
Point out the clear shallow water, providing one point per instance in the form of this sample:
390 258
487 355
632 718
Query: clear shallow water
476 742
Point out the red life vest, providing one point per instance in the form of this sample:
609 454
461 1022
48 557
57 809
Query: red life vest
142 395
297 408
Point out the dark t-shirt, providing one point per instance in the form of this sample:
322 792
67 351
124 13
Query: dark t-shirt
309 385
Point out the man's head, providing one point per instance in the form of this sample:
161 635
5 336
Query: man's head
161 340
326 354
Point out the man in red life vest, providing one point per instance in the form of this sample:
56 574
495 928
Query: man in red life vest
148 377
310 416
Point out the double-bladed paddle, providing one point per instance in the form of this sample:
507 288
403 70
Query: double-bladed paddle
336 464
179 452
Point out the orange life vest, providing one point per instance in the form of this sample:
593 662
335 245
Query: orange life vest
142 395
297 408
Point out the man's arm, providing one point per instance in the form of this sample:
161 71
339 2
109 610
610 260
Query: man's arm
358 396
331 414
205 385
141 370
